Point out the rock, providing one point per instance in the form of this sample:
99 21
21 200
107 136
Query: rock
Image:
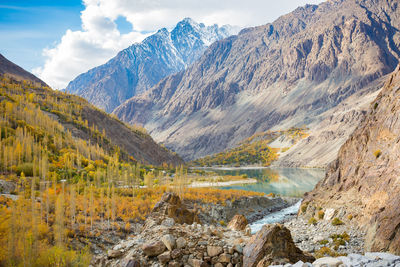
169 241
117 247
168 222
247 231
6 187
214 250
272 242
327 262
363 180
329 213
171 206
181 242
218 264
318 238
164 257
133 263
174 264
176 253
224 258
197 263
114 253
153 248
381 255
238 223
238 248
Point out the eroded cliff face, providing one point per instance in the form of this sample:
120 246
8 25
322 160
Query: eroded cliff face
364 180
285 73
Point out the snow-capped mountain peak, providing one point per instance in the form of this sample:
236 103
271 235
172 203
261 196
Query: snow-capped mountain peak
142 65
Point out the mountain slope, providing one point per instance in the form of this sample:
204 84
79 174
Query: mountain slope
142 65
80 121
364 180
274 76
16 72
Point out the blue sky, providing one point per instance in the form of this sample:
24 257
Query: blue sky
58 40
29 26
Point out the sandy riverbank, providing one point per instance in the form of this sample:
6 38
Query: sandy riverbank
227 183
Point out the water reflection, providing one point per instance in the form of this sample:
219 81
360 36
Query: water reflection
282 181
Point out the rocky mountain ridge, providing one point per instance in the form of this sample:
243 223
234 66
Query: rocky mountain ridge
12 70
363 181
91 125
286 73
140 66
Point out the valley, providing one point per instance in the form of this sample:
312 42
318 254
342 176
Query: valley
201 145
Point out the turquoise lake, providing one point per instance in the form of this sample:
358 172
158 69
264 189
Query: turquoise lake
292 182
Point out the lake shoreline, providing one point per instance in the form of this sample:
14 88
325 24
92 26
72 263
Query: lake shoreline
251 167
222 184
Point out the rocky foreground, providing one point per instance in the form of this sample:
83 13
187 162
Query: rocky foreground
173 236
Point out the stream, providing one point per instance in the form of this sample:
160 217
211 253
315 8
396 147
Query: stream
275 217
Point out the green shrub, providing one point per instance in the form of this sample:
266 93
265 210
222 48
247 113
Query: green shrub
303 207
336 221
222 223
312 221
324 242
350 217
321 214
377 153
26 168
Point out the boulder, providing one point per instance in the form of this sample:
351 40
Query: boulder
271 244
225 258
171 206
327 262
214 250
238 223
168 222
169 241
197 263
153 248
6 187
133 263
164 257
114 253
181 242
329 213
176 253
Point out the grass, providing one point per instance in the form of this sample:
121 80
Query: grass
321 214
312 221
336 221
377 153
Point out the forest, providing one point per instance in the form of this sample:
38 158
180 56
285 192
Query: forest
255 150
68 191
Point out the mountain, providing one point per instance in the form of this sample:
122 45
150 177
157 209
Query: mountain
363 182
142 65
12 70
72 121
291 72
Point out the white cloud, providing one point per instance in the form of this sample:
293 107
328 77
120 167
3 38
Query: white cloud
99 40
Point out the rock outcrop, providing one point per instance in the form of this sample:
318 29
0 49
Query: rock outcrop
172 207
273 244
274 77
164 241
363 182
238 223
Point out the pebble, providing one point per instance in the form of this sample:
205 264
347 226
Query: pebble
307 237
